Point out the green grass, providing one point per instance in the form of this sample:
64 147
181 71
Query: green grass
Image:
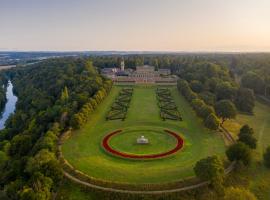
159 141
260 122
83 150
71 191
259 176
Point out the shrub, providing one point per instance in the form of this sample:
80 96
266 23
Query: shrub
212 122
246 136
239 152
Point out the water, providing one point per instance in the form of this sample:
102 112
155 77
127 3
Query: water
10 105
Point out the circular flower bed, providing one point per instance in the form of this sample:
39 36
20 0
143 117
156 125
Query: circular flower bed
108 148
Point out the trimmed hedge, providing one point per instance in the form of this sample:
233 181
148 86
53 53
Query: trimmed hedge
206 112
168 109
80 118
120 105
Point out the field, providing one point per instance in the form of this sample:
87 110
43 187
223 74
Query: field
84 151
260 121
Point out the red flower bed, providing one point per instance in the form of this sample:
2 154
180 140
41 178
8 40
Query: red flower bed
107 147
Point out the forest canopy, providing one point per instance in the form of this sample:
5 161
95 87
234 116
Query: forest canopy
50 94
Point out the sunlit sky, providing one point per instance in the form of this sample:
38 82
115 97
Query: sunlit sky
144 25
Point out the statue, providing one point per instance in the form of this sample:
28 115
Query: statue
142 140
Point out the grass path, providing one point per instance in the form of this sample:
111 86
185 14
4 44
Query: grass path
262 133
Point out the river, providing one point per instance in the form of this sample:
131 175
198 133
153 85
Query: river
10 105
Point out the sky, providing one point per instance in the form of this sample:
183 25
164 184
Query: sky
135 25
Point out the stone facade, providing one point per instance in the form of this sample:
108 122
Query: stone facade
143 74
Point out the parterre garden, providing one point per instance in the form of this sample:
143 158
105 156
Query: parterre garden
168 109
120 105
85 153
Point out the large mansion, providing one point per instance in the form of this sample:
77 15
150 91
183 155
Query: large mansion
142 74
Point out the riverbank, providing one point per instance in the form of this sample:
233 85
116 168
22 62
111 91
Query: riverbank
10 105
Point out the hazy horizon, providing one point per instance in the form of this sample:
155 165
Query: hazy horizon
119 25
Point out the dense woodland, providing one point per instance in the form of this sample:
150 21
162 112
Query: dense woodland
3 86
254 71
53 96
59 94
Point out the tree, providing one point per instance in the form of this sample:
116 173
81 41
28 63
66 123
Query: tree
225 109
205 111
212 122
211 84
41 185
184 88
266 157
246 129
12 188
3 158
196 86
49 94
76 121
27 193
46 163
248 140
20 145
197 104
246 136
225 90
239 152
48 141
253 81
89 67
3 195
233 193
208 97
211 169
245 100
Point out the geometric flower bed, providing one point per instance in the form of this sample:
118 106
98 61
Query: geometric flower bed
168 109
120 105
108 148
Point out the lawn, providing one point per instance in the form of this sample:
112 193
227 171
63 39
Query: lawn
159 141
83 150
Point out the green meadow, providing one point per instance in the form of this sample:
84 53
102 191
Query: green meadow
259 175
